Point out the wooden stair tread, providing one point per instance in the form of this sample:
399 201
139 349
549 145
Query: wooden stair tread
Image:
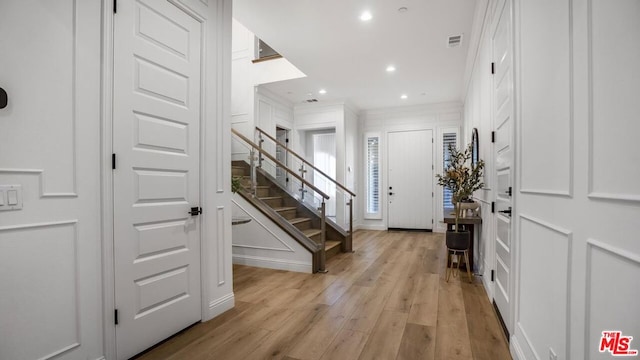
270 197
284 208
311 232
298 220
330 244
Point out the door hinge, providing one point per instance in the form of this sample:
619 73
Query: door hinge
286 179
510 191
493 68
493 207
286 140
195 211
113 161
432 221
493 136
432 140
115 316
432 194
493 275
115 6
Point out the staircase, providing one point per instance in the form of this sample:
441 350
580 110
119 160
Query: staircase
289 200
284 207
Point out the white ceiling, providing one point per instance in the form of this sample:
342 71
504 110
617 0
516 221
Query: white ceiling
327 41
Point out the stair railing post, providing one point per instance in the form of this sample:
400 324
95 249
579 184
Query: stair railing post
260 141
302 190
252 163
323 238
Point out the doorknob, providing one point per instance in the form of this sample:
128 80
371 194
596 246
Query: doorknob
195 211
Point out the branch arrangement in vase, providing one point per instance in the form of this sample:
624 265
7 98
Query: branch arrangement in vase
461 177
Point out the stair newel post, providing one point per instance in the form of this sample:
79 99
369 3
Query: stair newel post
323 238
348 242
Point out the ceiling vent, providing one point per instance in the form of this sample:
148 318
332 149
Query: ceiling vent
454 41
311 100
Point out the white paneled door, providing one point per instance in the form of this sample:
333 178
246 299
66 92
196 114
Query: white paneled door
156 130
410 185
503 147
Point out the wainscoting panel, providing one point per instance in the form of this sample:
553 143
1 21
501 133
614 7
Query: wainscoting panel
614 88
546 78
40 298
51 156
544 263
610 306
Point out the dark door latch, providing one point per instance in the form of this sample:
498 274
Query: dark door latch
195 211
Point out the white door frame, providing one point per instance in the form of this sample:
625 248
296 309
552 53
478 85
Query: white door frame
106 115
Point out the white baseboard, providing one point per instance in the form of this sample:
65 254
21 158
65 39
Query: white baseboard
521 345
373 227
271 263
516 350
219 306
101 358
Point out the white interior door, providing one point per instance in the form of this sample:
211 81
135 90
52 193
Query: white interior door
410 188
503 126
156 127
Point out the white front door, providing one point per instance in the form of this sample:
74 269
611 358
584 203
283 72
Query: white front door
410 187
156 127
503 127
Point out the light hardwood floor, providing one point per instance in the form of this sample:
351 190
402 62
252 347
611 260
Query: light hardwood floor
388 300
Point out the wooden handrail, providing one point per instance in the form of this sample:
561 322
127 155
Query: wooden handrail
262 152
306 162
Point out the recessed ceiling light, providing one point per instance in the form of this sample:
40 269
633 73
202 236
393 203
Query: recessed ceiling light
322 91
403 10
403 96
391 68
366 16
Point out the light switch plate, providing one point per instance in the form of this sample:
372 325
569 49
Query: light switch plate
11 197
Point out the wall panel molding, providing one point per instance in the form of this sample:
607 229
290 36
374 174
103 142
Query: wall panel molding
42 173
623 257
532 152
73 224
265 227
593 192
568 236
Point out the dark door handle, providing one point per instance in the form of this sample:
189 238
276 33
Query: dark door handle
508 212
195 211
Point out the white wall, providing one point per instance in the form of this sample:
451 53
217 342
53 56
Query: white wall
54 141
246 76
433 117
343 118
50 263
576 190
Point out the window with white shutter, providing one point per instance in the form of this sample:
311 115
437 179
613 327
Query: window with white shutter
448 139
372 151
